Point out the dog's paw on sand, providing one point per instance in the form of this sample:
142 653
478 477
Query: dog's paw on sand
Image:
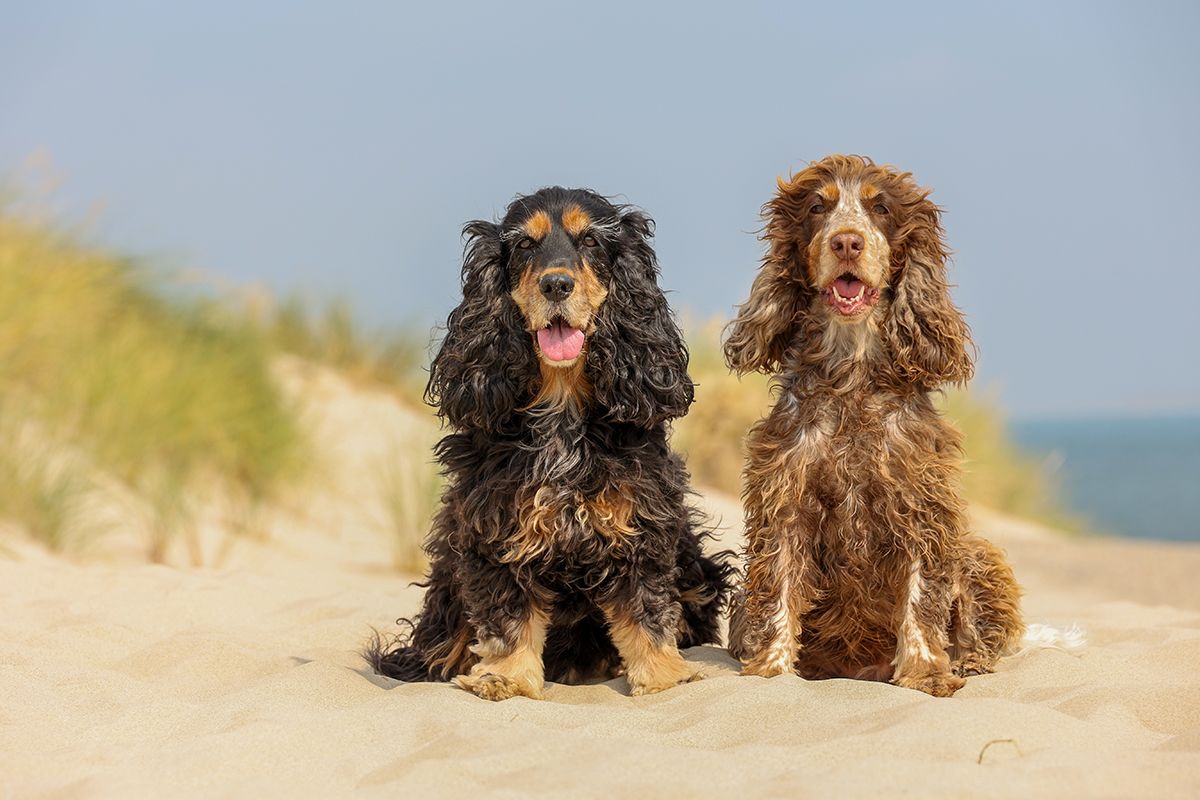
937 685
491 686
660 683
971 665
765 670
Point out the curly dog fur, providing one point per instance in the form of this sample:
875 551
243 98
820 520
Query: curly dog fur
859 562
565 548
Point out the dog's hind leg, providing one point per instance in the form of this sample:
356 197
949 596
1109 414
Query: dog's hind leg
987 615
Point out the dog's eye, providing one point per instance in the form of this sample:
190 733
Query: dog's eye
818 208
525 244
589 241
880 208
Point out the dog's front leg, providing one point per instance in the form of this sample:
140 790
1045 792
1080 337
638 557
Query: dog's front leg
922 662
643 621
764 628
510 631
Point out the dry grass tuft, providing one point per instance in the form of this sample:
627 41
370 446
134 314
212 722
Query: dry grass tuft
167 395
332 335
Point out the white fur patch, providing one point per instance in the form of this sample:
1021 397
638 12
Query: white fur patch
1037 636
911 644
782 652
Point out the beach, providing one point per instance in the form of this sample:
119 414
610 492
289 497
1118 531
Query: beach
241 677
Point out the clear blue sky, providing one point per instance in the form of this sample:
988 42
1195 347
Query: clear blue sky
338 149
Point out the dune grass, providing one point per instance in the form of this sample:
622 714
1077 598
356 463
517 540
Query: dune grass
713 433
999 474
409 484
332 335
169 395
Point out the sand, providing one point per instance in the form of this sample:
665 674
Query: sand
120 678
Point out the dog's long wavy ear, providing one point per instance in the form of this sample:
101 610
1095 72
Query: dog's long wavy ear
765 325
485 365
927 335
637 360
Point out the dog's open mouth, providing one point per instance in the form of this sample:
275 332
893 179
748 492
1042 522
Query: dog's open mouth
560 342
849 295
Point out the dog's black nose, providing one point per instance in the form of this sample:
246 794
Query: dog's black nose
847 245
556 286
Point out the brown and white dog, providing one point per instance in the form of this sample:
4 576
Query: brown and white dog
859 562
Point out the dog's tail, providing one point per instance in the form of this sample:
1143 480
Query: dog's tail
1037 636
391 655
433 646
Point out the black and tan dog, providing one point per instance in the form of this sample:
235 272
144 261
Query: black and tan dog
565 548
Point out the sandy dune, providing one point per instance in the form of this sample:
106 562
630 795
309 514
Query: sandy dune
125 679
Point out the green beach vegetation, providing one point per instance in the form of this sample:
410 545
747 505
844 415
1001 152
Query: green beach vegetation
104 376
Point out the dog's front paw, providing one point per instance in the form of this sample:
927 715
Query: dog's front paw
663 683
769 662
972 665
491 686
938 685
662 678
765 669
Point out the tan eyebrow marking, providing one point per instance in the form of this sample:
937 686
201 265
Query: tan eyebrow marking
576 220
538 226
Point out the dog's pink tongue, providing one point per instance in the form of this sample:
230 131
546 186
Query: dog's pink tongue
560 342
847 287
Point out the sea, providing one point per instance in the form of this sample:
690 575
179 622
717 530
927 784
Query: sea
1135 477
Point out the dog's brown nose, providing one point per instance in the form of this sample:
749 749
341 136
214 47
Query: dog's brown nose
847 246
556 286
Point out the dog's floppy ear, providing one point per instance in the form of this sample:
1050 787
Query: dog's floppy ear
637 360
765 325
485 363
929 340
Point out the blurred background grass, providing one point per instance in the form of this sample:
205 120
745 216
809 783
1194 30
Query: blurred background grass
102 370
115 381
331 335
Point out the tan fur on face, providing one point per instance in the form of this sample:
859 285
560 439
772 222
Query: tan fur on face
849 215
504 672
538 226
650 665
579 309
575 220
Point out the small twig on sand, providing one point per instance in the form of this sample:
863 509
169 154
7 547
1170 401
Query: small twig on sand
1013 742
